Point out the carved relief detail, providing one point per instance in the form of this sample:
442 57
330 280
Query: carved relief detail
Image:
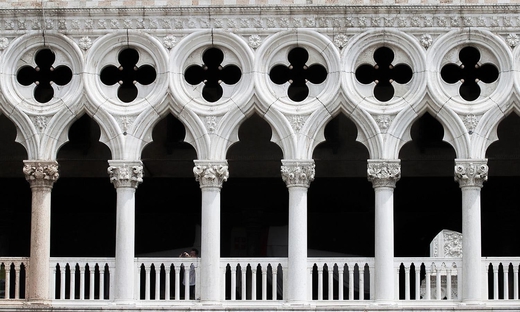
41 173
125 174
211 174
383 173
471 172
298 173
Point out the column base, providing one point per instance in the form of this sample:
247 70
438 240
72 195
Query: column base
124 302
298 304
473 303
385 302
39 302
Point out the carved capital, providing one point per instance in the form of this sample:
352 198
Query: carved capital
383 173
125 173
210 173
298 172
41 173
471 172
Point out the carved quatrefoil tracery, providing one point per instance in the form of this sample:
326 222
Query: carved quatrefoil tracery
128 74
298 74
469 73
44 75
212 74
383 74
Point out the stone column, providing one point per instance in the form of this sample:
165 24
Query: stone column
41 175
210 175
298 175
471 175
384 174
125 175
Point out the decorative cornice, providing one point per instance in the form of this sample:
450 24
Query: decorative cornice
383 173
125 173
471 172
41 173
210 174
298 172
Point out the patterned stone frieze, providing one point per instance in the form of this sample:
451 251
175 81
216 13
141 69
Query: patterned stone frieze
383 173
298 173
211 173
125 174
471 172
41 173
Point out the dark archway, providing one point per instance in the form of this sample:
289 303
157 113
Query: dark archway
83 199
168 201
15 228
341 199
500 208
427 200
254 199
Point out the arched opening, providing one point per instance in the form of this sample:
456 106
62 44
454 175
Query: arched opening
254 199
168 200
341 199
500 212
15 228
83 199
426 200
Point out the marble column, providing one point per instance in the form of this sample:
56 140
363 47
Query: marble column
41 175
471 175
297 174
384 174
125 175
211 175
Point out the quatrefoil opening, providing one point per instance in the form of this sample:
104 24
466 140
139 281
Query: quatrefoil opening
44 75
212 74
470 72
127 75
383 74
298 74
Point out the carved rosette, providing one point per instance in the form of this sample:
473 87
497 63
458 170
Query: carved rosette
41 173
211 174
471 172
298 173
125 174
384 173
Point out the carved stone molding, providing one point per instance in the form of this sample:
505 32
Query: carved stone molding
41 173
125 173
383 173
471 172
211 173
298 172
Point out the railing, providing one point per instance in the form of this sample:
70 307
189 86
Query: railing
428 278
82 278
166 279
253 278
264 279
13 272
501 278
341 278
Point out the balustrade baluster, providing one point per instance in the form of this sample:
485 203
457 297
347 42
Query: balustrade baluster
167 277
81 281
63 270
17 282
101 282
448 284
505 273
274 283
233 290
351 269
158 282
253 282
72 282
7 294
331 280
438 283
264 283
428 283
417 271
320 282
243 281
147 272
91 282
361 282
341 271
495 281
186 282
177 282
406 282
515 281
